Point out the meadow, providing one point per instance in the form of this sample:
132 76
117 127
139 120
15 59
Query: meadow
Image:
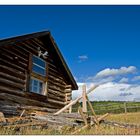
117 113
115 107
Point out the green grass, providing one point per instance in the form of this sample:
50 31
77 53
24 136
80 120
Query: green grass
115 107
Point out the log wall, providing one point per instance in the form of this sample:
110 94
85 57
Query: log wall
14 77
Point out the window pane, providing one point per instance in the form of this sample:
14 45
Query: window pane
39 61
35 82
36 86
35 89
39 70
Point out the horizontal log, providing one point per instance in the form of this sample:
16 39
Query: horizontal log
68 86
8 83
10 90
18 50
55 73
36 108
21 52
39 41
56 88
56 84
37 44
56 93
69 94
56 102
54 97
51 77
29 48
68 90
13 63
21 100
13 72
13 53
12 78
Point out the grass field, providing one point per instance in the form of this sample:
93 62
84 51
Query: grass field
133 118
114 107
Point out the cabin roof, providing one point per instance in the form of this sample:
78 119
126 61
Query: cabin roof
43 34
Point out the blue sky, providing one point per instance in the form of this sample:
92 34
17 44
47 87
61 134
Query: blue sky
92 39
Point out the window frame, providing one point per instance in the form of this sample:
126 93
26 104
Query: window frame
37 76
38 88
33 63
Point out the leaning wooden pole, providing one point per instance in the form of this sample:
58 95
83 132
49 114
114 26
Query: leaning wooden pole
84 100
75 101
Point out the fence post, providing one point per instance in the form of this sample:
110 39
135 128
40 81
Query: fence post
125 107
84 100
70 109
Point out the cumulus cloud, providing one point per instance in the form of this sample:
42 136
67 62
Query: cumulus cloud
136 78
111 91
115 72
82 58
124 80
96 80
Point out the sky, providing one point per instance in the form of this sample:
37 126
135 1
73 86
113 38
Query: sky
101 44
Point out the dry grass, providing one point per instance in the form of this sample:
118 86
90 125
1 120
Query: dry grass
133 118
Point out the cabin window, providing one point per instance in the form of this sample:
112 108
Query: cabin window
39 66
38 76
36 86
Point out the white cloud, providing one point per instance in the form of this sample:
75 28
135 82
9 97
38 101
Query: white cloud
82 58
136 78
115 72
123 80
100 80
111 91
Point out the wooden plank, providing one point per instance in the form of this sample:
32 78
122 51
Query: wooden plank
92 110
2 118
84 100
83 115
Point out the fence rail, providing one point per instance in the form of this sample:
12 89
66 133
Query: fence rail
113 108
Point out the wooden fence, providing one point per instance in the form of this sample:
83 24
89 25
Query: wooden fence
114 107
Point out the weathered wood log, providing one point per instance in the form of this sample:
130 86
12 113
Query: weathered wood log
56 93
92 110
2 118
102 117
12 78
83 116
11 83
78 130
26 125
55 97
21 100
13 72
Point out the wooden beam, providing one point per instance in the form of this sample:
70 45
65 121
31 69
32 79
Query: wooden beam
83 115
84 100
74 102
92 110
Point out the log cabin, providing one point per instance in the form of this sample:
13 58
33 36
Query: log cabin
33 72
